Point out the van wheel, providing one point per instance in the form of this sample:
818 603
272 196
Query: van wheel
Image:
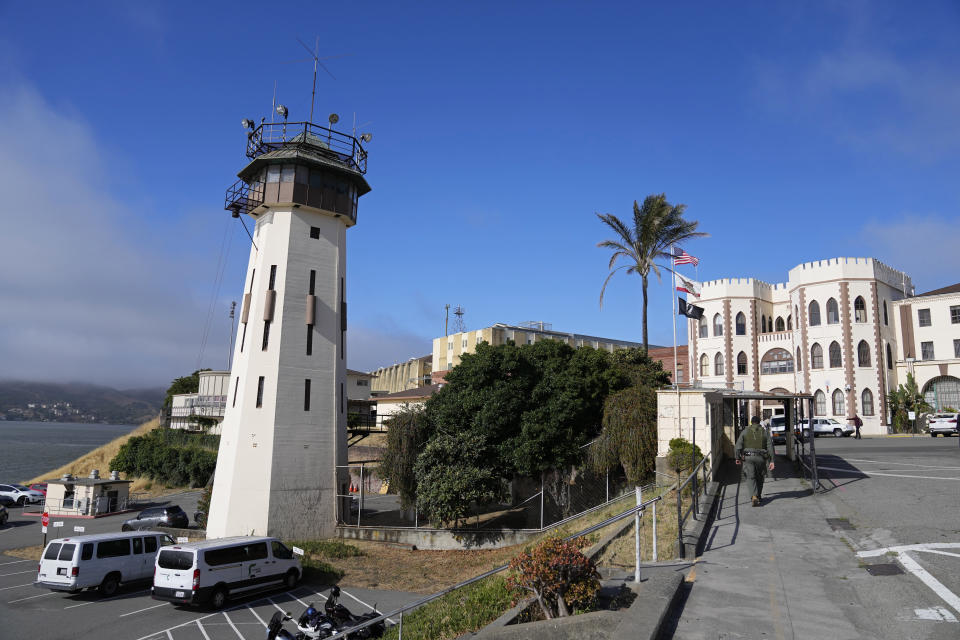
219 598
110 585
291 579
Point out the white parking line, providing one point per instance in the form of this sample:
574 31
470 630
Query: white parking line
938 587
877 473
18 573
17 586
374 609
124 595
3 564
279 608
169 635
904 464
32 597
162 604
909 547
237 631
256 616
202 630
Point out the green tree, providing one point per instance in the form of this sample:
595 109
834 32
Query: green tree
452 472
186 384
906 398
629 436
405 440
657 226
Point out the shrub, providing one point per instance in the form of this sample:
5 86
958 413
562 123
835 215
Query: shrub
170 456
680 454
559 576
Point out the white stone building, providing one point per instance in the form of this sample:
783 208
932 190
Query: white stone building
829 331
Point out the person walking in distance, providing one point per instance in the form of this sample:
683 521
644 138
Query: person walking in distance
754 450
857 423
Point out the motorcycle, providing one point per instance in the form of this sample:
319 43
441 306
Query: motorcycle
344 619
313 624
275 630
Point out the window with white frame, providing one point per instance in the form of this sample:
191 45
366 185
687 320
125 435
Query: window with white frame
956 348
463 343
718 364
835 358
923 317
859 310
776 361
838 402
717 325
820 403
741 324
889 357
863 354
886 319
814 314
866 402
833 312
704 366
926 351
703 328
816 356
955 314
741 364
779 325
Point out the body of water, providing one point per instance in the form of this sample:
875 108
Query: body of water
28 449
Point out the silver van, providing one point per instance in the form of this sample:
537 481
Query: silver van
212 571
102 561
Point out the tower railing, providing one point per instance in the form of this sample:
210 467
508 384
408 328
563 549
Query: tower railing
271 136
242 197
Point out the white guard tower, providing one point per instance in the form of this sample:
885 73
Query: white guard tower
284 428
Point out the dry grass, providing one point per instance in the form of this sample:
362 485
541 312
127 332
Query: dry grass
27 553
622 551
99 458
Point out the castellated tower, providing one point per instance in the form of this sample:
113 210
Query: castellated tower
284 429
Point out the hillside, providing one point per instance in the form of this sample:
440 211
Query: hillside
77 402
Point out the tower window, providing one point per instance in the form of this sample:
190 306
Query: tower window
273 277
309 339
315 233
313 281
923 316
266 334
306 394
260 392
235 386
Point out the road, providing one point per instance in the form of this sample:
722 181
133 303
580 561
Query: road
26 611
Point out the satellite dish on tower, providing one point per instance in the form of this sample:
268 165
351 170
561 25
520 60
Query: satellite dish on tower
333 119
366 137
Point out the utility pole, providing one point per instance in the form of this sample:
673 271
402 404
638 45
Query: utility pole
446 321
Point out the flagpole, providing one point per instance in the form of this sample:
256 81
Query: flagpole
673 299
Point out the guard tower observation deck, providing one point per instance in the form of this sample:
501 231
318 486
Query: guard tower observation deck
300 163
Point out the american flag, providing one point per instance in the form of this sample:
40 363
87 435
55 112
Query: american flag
682 257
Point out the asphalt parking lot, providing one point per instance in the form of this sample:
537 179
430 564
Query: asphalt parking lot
132 614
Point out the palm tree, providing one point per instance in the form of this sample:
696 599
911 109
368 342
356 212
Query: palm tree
657 226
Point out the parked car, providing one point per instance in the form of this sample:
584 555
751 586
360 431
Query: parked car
102 561
944 424
3 515
39 486
211 571
21 494
778 431
169 516
828 426
6 501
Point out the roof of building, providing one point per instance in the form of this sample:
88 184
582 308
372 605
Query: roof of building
567 334
954 288
363 374
87 482
418 393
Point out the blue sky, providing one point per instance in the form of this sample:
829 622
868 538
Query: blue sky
792 132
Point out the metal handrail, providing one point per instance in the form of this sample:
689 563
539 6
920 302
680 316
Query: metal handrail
694 472
270 136
681 514
422 601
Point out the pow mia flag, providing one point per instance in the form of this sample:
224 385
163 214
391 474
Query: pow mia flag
690 310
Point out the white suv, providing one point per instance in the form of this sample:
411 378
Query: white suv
944 424
20 494
828 426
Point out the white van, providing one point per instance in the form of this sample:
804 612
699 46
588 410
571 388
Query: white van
102 560
212 571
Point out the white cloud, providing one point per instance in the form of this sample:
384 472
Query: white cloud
83 294
922 246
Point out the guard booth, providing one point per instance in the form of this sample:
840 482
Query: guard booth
712 418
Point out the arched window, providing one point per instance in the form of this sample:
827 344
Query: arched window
789 323
741 324
703 327
741 364
816 356
796 312
798 360
866 402
704 366
763 323
814 314
833 312
942 392
820 403
837 402
776 361
718 364
889 357
779 324
885 320
859 310
835 358
717 325
863 354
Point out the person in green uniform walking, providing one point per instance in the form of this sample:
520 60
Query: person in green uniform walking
754 450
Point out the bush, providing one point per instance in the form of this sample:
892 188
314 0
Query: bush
680 454
170 456
560 577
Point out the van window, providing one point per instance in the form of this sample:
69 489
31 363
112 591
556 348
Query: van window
66 553
217 557
280 551
53 549
87 551
150 544
137 545
166 541
257 551
174 559
113 548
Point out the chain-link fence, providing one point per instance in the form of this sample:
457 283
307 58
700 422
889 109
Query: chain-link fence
529 503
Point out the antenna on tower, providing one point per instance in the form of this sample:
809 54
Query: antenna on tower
458 325
314 56
446 320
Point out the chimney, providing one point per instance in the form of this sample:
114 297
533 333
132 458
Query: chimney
114 475
95 474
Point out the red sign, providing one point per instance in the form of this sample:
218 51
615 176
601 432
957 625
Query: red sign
44 519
